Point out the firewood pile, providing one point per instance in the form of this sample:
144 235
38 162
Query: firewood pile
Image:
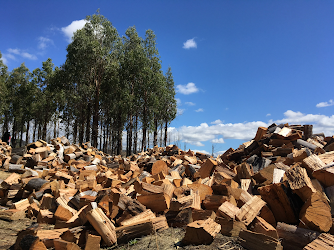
274 191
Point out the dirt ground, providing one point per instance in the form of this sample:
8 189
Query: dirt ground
171 239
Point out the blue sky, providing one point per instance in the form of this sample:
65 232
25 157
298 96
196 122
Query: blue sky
237 65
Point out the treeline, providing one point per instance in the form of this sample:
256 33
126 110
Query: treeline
107 85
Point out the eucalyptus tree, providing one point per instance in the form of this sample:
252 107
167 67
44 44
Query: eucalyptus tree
46 98
169 102
88 55
150 86
20 97
132 73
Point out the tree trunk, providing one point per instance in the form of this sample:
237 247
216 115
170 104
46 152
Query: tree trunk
55 128
95 129
27 133
165 140
44 128
21 133
155 133
135 135
88 122
34 133
75 131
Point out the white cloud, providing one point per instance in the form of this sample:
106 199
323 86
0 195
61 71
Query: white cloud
14 51
190 103
29 56
199 110
43 42
180 111
218 140
74 26
325 104
268 114
190 88
217 122
19 53
190 44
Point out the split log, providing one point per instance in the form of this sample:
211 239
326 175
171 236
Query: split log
133 206
10 180
159 166
228 210
280 202
201 232
146 215
132 231
206 168
254 241
102 225
300 183
325 176
92 242
248 211
327 158
35 184
293 237
48 236
12 214
202 214
230 227
259 225
316 214
65 245
323 242
313 163
155 202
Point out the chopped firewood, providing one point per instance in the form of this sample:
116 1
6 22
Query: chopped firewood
325 176
159 166
300 183
230 227
327 158
132 231
316 214
48 236
323 242
249 210
228 210
65 245
92 242
155 202
278 200
10 180
201 232
293 237
202 214
206 168
102 225
146 215
254 241
313 163
133 206
45 216
259 225
12 214
21 205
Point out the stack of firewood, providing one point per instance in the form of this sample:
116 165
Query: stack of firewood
274 191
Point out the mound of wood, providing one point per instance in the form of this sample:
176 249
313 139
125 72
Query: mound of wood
270 191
